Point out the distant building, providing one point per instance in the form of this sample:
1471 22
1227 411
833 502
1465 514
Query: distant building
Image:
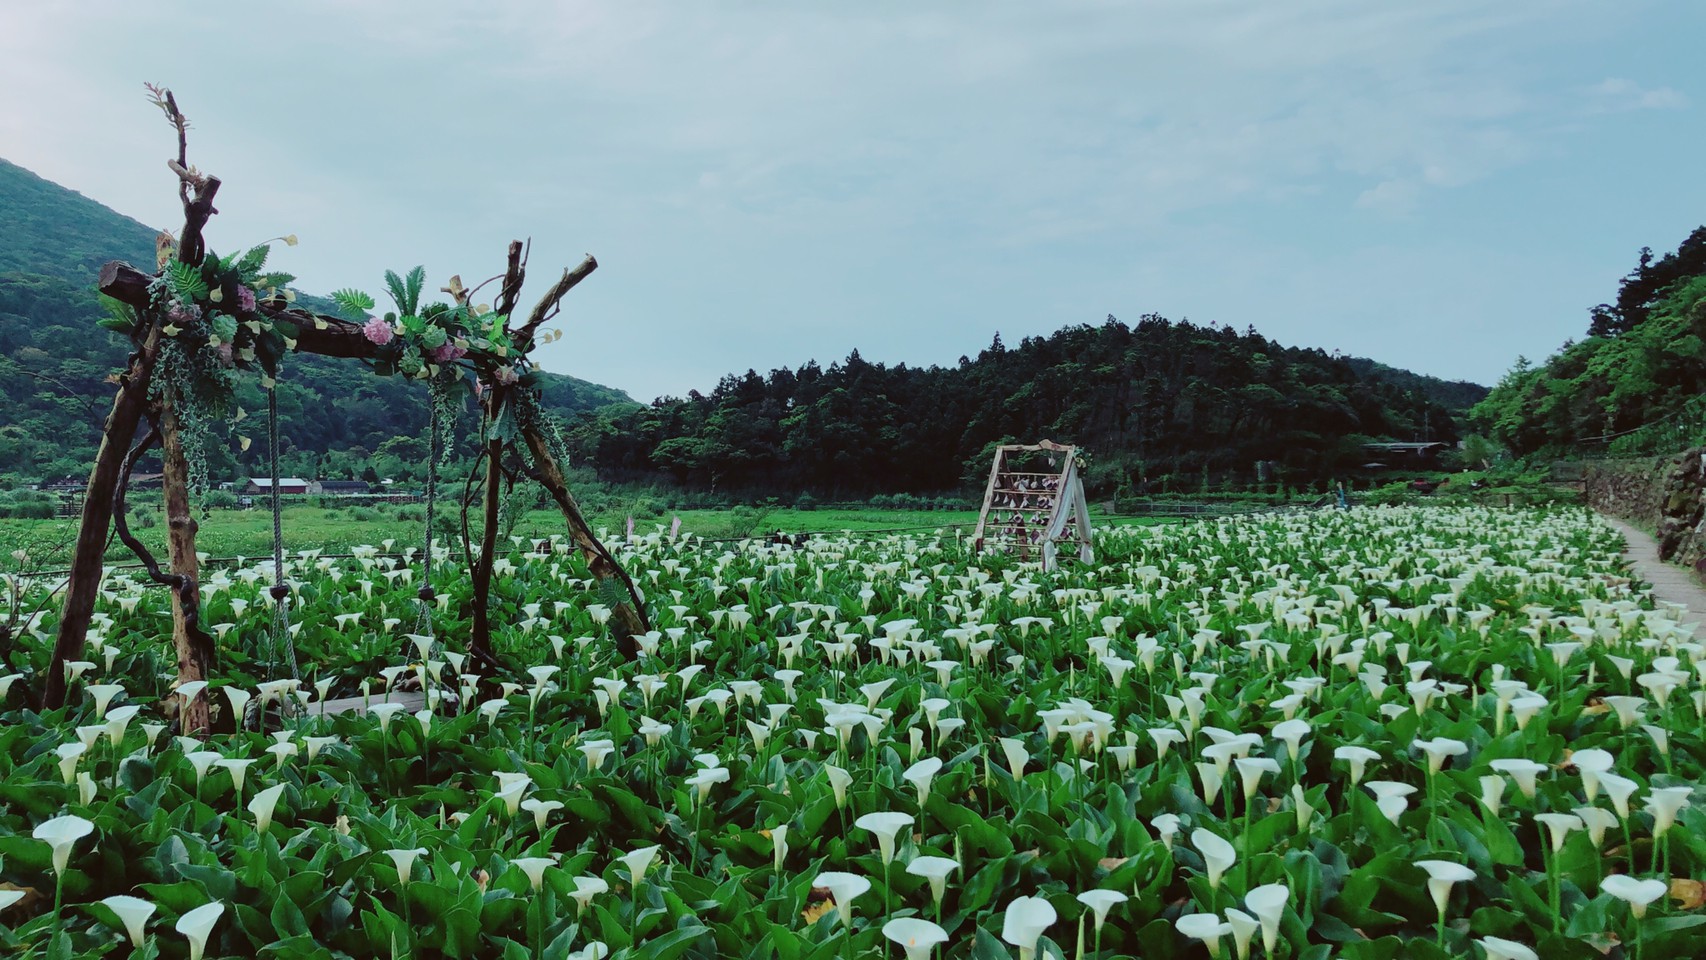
1394 455
340 487
285 485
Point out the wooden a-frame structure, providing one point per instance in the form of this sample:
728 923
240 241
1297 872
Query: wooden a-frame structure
1026 508
103 506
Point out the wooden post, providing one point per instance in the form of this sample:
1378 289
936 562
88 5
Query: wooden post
480 637
629 618
97 517
195 654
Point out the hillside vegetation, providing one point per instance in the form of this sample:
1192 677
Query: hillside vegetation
1633 385
1159 405
337 418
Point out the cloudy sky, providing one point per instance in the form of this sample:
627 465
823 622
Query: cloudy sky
1438 184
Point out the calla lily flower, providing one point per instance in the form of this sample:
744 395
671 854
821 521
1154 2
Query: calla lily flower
886 826
1499 948
69 754
384 711
1358 758
197 926
1268 903
1636 893
1016 755
535 868
843 888
104 694
1558 826
1023 923
540 809
916 937
585 889
935 870
1442 876
1664 804
839 781
133 912
638 861
1207 927
263 804
1243 927
1217 854
62 834
1100 902
405 862
920 775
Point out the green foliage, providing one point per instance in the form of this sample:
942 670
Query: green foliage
1632 388
353 303
1152 400
1088 686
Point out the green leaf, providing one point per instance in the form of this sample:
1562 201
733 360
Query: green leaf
417 279
399 295
353 302
186 281
253 260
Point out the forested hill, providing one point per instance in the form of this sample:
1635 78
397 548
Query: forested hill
1633 385
337 416
1158 405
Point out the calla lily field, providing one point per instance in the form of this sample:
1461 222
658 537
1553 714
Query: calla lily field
1410 732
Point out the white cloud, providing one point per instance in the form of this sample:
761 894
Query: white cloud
1618 94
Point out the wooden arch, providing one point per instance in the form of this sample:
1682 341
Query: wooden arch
314 334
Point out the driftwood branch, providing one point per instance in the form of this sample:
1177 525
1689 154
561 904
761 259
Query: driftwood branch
547 305
514 274
121 523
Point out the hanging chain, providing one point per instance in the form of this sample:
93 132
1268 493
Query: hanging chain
281 639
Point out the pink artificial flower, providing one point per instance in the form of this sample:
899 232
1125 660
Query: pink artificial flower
225 354
506 376
245 299
378 332
448 352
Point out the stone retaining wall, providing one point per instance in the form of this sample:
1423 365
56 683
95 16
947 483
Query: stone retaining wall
1664 494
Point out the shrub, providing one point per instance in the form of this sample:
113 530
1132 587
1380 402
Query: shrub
219 500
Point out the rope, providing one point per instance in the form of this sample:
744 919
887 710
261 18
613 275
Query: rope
426 593
281 638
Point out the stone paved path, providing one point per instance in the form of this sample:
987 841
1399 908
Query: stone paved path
1670 582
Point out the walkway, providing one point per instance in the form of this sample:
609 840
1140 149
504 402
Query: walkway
1670 582
411 701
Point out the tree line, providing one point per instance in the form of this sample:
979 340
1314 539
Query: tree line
1158 406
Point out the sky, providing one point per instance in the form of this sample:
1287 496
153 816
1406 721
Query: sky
1441 185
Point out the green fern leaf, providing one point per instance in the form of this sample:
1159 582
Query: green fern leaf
612 592
186 281
353 302
417 279
399 296
253 261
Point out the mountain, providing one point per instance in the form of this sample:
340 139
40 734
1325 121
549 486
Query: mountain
337 419
1159 406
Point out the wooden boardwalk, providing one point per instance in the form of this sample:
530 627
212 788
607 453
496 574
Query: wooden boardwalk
1670 582
413 700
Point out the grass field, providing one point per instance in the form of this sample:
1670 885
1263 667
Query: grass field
248 533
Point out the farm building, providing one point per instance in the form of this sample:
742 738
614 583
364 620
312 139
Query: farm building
285 485
1403 456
